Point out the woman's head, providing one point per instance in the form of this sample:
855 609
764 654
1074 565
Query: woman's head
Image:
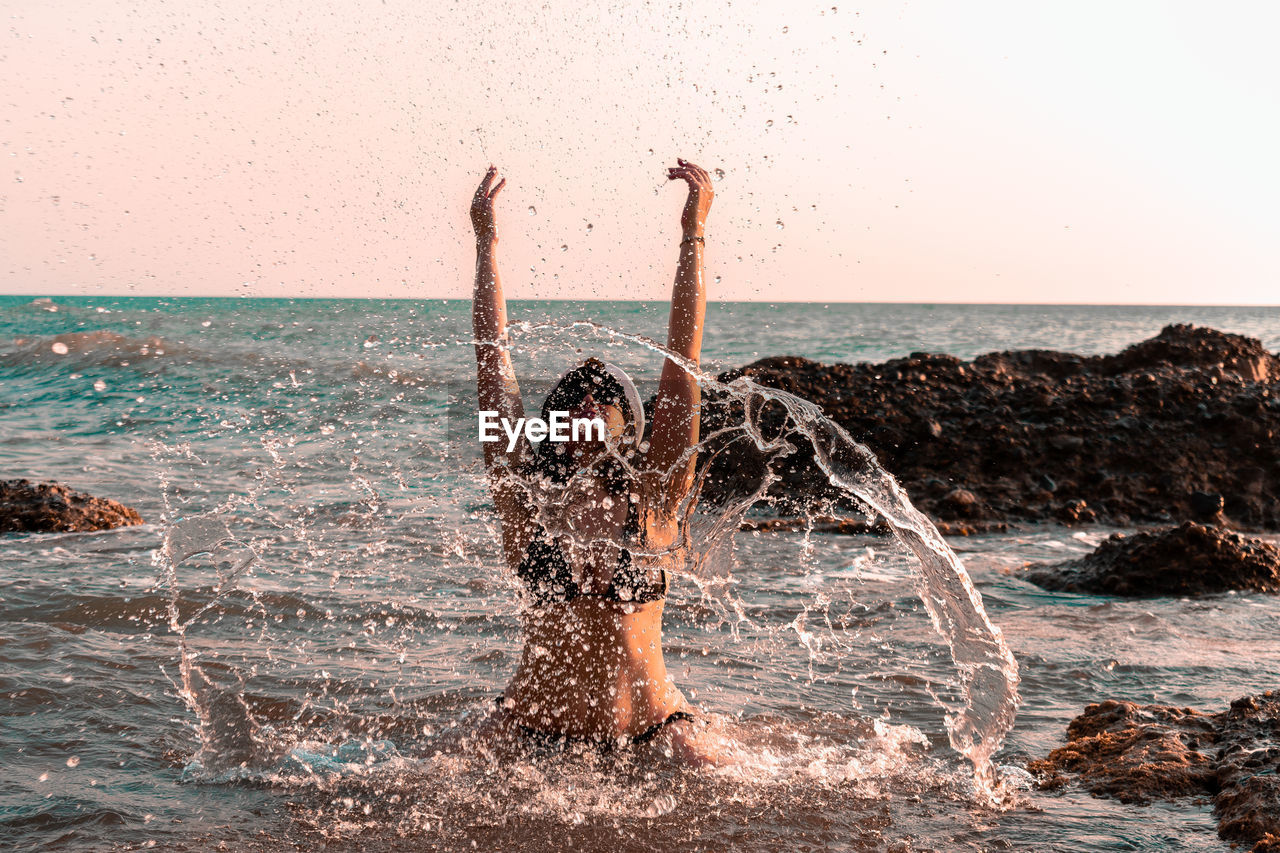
591 390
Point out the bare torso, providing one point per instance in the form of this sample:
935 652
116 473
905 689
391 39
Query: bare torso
593 666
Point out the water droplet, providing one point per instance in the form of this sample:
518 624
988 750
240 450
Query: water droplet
769 123
780 225
564 248
73 761
719 174
589 227
59 347
207 323
786 29
100 385
717 279
533 210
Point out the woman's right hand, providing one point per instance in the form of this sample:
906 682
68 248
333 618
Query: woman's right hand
482 206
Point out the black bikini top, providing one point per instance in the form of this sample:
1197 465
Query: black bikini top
546 572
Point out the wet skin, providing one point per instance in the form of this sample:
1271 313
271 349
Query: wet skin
592 667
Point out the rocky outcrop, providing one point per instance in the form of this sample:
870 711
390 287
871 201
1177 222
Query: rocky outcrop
27 507
1134 753
1191 559
1140 753
1248 764
1183 426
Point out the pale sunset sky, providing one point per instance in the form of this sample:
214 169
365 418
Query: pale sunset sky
1096 152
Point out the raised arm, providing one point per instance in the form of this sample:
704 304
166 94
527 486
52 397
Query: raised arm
675 414
495 376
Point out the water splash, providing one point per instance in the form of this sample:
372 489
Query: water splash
227 733
976 723
988 673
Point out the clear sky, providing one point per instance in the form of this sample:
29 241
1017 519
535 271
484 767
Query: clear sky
935 151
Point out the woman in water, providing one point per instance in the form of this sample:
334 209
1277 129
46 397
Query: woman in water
592 526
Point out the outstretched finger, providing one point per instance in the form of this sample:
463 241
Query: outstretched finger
483 189
502 183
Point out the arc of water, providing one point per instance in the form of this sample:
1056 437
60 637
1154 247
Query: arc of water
986 666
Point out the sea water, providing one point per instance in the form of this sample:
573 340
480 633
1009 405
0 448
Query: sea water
352 604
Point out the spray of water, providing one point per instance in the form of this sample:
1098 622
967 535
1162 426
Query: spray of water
988 677
987 670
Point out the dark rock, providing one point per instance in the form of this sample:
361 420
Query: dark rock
1134 753
1188 560
1269 843
1131 435
1206 505
1183 345
27 507
961 501
1076 512
1248 763
1139 753
1066 443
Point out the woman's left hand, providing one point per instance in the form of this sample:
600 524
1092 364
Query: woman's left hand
694 217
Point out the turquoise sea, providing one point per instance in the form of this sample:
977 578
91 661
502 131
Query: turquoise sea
376 615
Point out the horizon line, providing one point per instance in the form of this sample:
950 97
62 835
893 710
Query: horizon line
51 296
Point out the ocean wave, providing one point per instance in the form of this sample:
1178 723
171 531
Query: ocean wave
148 611
100 347
103 348
66 816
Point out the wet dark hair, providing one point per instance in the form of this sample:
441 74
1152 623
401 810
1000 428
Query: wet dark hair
591 377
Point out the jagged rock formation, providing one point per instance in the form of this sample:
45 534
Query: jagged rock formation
1183 426
1191 559
1139 753
27 507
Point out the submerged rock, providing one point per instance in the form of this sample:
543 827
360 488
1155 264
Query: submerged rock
1192 559
1183 426
1139 753
27 507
